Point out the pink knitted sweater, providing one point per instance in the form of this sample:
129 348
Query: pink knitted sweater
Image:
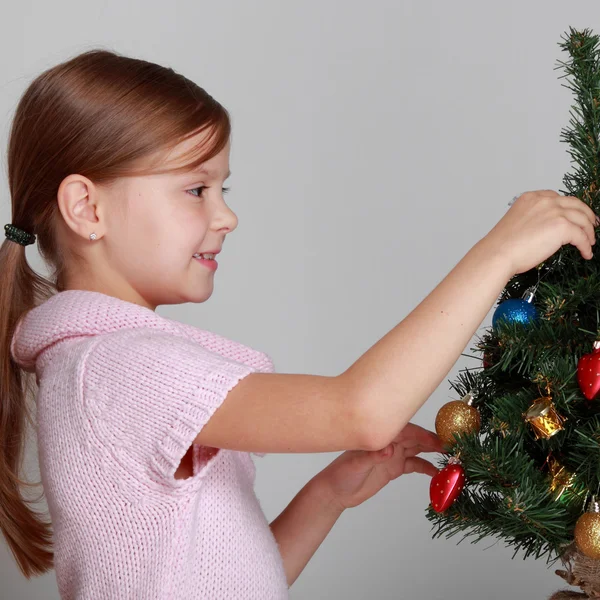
122 394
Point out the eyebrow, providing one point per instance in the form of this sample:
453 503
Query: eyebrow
204 170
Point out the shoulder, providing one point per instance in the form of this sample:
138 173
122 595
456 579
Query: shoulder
150 378
147 347
223 346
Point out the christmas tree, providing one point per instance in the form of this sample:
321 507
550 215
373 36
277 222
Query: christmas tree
523 436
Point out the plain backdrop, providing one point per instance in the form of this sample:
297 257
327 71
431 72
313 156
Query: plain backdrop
373 144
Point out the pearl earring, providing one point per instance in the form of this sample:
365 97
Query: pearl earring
93 236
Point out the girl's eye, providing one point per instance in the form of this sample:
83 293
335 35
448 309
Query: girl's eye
225 190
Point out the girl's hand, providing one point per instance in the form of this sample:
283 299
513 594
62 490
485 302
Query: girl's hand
356 475
538 224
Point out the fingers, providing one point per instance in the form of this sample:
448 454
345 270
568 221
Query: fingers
580 218
385 453
573 202
414 450
401 453
419 465
413 435
587 217
583 235
570 202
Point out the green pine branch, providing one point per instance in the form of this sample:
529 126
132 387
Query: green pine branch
508 494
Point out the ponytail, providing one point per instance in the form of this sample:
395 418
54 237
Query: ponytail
28 536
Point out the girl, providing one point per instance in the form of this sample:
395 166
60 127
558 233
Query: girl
146 424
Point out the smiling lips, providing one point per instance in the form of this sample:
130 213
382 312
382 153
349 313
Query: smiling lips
211 263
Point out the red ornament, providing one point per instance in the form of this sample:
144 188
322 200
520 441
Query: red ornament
588 372
446 486
487 359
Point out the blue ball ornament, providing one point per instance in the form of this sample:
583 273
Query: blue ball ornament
515 310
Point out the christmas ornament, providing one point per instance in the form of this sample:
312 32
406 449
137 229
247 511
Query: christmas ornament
543 418
446 486
560 478
588 371
500 427
457 416
587 531
489 358
517 310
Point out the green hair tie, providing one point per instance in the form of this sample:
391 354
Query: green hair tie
18 235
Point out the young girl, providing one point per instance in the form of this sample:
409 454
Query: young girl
145 425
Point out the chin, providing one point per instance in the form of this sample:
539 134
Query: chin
199 296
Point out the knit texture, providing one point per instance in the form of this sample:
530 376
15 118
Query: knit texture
123 392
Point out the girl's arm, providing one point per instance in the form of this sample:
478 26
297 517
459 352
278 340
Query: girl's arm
351 479
303 525
368 404
401 371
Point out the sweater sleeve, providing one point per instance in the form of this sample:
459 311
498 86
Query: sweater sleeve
148 394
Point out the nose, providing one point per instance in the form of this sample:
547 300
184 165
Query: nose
224 217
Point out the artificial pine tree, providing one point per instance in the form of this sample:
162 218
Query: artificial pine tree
523 439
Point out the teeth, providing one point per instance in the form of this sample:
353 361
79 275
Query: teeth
206 255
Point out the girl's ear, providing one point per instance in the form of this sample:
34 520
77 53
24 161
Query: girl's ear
77 198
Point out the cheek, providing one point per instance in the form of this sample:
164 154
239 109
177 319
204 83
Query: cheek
176 242
159 232
146 234
193 227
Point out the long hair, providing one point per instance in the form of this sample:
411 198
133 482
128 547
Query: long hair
99 114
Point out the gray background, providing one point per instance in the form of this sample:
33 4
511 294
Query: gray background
373 145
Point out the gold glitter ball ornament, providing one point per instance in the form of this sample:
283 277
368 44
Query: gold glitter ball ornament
587 532
457 416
